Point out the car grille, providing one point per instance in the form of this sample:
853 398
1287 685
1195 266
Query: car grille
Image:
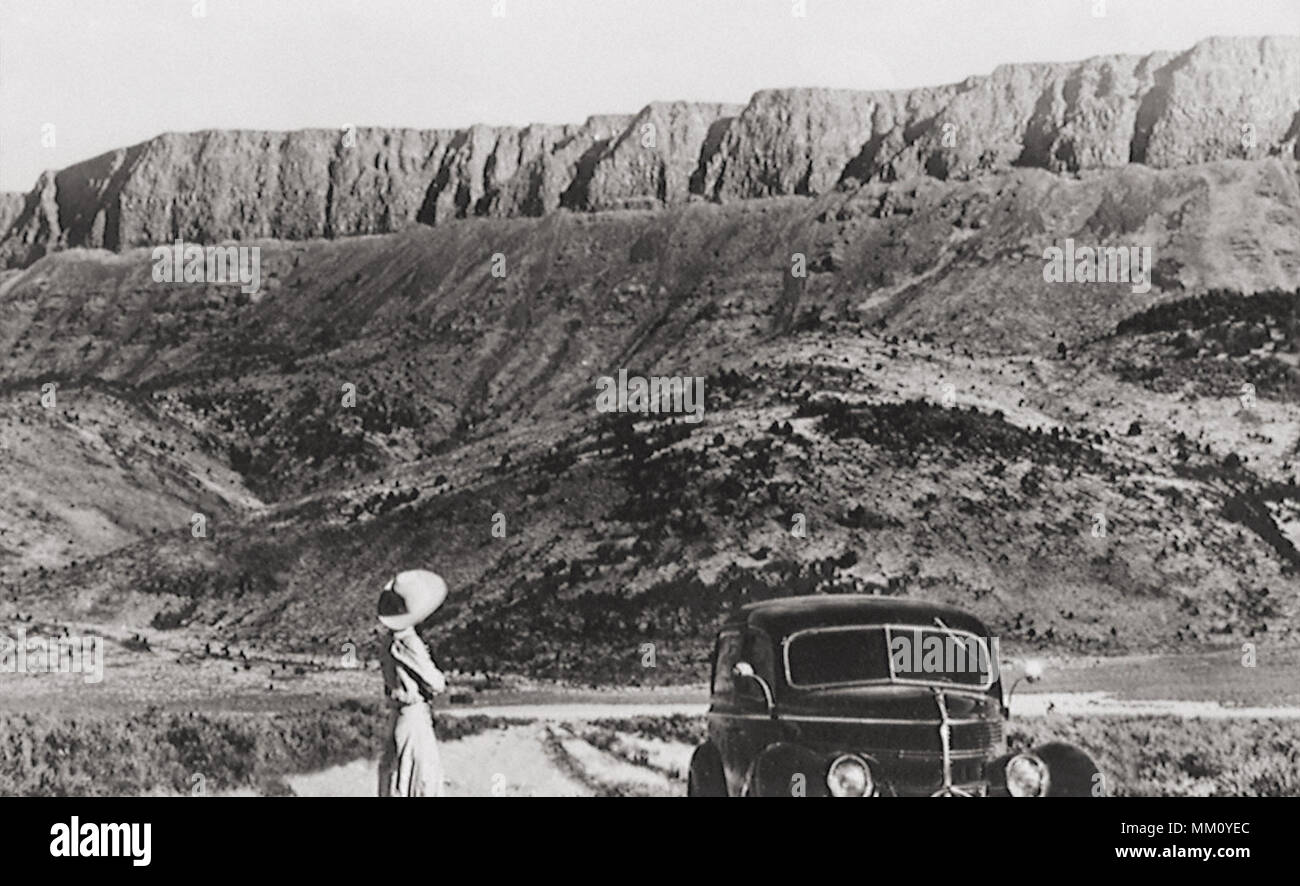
971 736
916 768
923 736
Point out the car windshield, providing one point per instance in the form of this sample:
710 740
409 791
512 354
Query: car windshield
888 653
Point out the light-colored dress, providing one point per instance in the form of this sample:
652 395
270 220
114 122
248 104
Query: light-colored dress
410 766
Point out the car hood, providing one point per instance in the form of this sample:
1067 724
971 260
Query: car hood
910 703
900 728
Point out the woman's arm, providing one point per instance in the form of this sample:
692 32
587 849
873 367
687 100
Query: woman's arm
421 666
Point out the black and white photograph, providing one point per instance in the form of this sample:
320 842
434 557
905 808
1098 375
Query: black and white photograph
650 398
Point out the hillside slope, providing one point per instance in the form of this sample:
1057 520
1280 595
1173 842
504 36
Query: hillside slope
946 423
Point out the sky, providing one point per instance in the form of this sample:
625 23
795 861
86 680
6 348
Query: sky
80 77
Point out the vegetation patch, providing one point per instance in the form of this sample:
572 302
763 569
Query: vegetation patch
915 426
1175 757
158 751
1215 343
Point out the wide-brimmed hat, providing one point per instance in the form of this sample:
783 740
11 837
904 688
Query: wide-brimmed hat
410 598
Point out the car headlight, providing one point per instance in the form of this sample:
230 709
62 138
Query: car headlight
850 776
1026 776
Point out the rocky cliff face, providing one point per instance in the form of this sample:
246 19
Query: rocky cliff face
657 160
1224 98
11 204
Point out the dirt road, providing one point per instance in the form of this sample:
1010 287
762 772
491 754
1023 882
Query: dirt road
537 760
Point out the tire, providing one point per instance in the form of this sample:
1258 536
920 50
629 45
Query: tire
705 777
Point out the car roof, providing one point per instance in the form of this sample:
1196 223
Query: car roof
785 615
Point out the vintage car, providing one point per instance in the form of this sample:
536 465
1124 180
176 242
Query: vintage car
849 695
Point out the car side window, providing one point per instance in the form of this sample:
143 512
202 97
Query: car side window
757 650
729 648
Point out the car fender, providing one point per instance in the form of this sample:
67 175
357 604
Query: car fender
1071 772
784 769
705 777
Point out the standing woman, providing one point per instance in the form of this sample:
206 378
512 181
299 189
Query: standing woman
410 766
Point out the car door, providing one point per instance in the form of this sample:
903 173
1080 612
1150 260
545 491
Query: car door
741 719
726 725
759 728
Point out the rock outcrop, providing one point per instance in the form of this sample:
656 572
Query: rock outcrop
1224 98
11 204
657 159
